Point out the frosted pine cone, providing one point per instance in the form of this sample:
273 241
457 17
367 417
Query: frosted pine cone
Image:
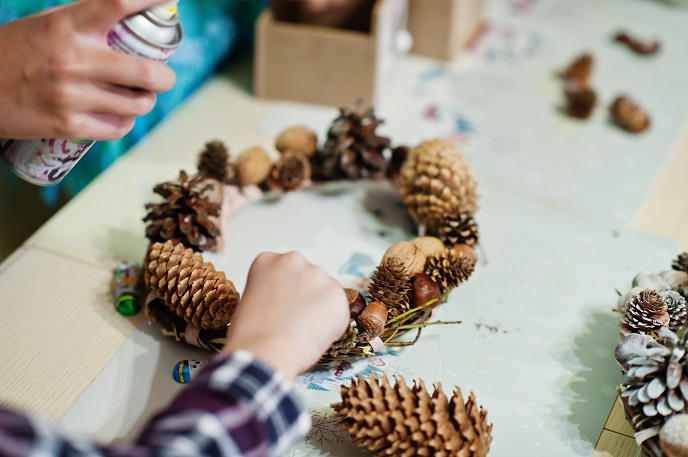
676 307
190 287
645 313
436 179
403 421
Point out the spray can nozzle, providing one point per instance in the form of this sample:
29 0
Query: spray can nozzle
166 10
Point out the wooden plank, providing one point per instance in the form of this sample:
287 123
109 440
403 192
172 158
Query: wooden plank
611 444
616 422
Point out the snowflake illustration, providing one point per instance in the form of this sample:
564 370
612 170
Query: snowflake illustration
325 430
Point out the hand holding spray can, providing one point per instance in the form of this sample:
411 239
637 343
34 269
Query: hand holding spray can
154 34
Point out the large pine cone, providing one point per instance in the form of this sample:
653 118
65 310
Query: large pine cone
391 285
403 421
188 214
459 228
436 179
680 263
213 162
628 115
644 313
676 307
190 287
449 269
353 150
655 386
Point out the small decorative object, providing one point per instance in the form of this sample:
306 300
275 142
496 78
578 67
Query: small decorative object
638 46
428 245
436 179
188 215
676 280
344 345
185 370
646 313
580 100
371 322
676 307
449 269
425 290
356 302
673 437
391 285
399 420
127 285
188 287
580 70
655 387
466 251
299 139
680 263
353 149
252 167
459 228
290 172
213 161
628 115
412 258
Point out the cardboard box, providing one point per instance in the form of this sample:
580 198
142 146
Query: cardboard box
326 65
442 28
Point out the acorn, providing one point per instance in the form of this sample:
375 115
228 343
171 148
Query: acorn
299 139
429 245
424 290
411 257
371 322
252 166
466 250
356 302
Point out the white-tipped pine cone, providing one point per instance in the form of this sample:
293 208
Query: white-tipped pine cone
436 180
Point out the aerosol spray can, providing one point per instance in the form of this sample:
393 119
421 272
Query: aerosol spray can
154 34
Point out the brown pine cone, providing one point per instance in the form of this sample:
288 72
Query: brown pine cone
188 215
290 172
213 162
645 313
449 269
391 285
190 287
680 263
628 115
580 70
459 228
403 421
346 343
436 179
580 101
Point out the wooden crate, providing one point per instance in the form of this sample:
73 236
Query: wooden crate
324 65
442 28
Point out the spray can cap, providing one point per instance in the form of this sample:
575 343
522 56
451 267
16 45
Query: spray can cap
166 10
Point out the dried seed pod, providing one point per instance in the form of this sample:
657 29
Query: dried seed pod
356 302
465 250
429 245
580 100
638 46
291 171
371 322
424 290
252 166
410 256
299 139
628 115
580 70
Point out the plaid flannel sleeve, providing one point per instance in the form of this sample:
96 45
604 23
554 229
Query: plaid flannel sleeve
236 406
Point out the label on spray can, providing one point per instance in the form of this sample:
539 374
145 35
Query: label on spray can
153 34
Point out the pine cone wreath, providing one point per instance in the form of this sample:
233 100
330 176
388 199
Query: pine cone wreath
397 420
190 287
213 162
655 387
645 313
436 179
187 215
580 101
680 263
580 70
459 228
676 307
290 172
391 285
449 269
352 150
628 115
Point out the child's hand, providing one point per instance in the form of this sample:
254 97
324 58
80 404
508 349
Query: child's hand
59 78
290 313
